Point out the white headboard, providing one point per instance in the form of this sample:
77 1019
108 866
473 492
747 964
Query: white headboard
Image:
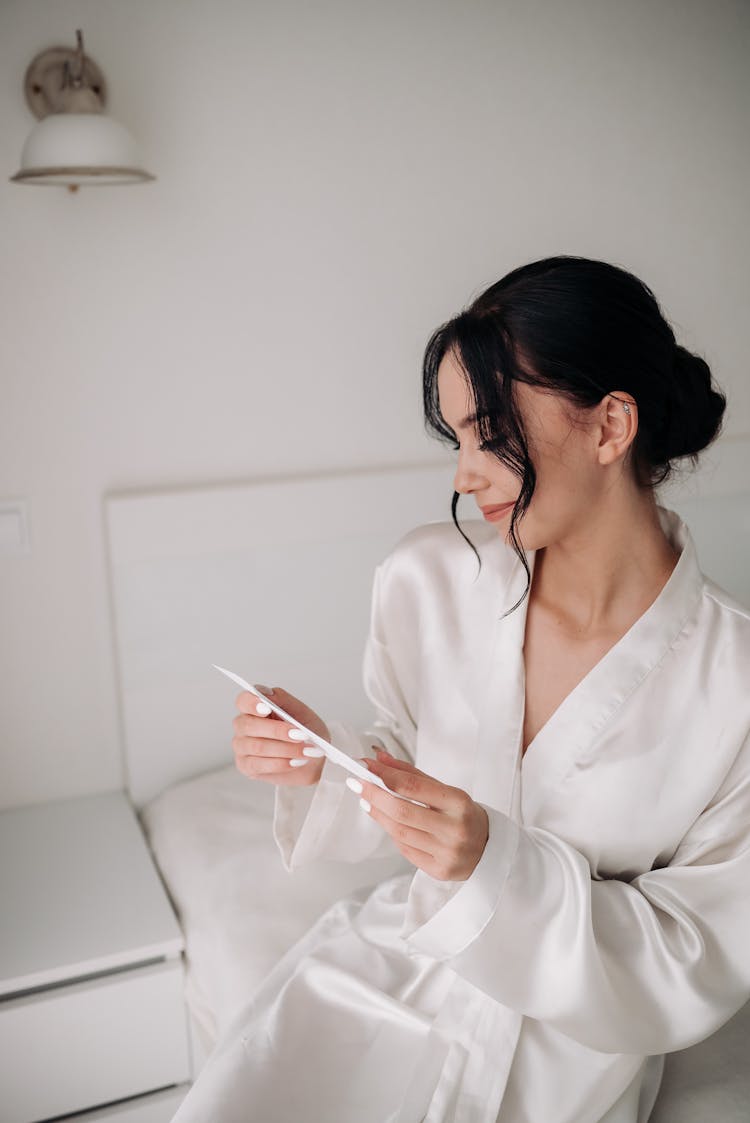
273 580
270 579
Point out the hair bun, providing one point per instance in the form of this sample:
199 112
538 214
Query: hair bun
695 410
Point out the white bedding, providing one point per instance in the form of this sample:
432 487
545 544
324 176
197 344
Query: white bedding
240 910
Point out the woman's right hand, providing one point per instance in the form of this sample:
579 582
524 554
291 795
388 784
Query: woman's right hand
263 749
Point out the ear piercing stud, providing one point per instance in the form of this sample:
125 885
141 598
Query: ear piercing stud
626 407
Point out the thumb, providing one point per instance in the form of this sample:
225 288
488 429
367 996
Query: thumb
297 709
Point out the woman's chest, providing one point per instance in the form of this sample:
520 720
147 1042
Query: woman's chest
554 662
620 767
628 748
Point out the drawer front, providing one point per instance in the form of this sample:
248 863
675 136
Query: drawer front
161 1107
93 1042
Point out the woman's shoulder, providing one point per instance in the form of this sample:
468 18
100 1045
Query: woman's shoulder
728 605
728 622
431 579
440 548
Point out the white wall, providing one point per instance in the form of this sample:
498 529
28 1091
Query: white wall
334 180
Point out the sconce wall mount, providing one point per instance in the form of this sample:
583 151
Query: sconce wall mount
75 143
45 83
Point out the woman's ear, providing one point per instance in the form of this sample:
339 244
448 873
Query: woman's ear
619 425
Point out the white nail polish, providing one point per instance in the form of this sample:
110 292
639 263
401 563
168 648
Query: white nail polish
297 735
297 762
365 805
354 785
263 709
311 750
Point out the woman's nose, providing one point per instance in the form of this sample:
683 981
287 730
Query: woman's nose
467 477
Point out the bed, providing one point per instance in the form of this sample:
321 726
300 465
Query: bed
272 579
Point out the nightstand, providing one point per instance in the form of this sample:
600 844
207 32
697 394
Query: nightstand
91 1006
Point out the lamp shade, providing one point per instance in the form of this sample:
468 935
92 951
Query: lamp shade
78 149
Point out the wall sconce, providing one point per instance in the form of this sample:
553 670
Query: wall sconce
74 144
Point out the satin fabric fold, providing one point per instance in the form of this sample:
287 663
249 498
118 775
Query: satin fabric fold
608 919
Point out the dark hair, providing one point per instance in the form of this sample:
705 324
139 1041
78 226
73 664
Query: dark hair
581 328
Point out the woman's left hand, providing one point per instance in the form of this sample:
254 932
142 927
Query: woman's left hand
446 838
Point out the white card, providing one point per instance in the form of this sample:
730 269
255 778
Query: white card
330 750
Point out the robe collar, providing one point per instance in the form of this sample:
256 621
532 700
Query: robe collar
572 730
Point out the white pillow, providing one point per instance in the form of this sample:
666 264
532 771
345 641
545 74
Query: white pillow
240 910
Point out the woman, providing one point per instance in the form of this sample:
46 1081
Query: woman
572 715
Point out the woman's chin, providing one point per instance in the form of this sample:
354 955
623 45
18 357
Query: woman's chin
524 534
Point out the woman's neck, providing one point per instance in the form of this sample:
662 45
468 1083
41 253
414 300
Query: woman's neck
603 576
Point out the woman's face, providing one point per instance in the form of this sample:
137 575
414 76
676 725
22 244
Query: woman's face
563 442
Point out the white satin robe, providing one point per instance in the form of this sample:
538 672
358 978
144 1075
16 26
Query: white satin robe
608 920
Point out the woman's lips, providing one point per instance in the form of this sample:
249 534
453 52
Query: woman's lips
495 513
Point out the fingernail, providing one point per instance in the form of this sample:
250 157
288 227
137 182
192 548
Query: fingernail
365 805
264 689
311 750
354 785
297 735
263 709
297 762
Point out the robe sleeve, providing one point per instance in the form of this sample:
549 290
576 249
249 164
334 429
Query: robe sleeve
325 819
645 966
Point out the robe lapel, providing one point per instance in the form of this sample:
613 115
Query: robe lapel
569 738
501 696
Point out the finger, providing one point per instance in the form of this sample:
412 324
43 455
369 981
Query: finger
398 810
414 784
262 765
394 761
300 711
415 846
435 867
425 852
284 776
423 861
249 703
262 708
268 728
252 708
265 747
402 834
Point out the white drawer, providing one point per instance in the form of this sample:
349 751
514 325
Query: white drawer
93 1042
160 1107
